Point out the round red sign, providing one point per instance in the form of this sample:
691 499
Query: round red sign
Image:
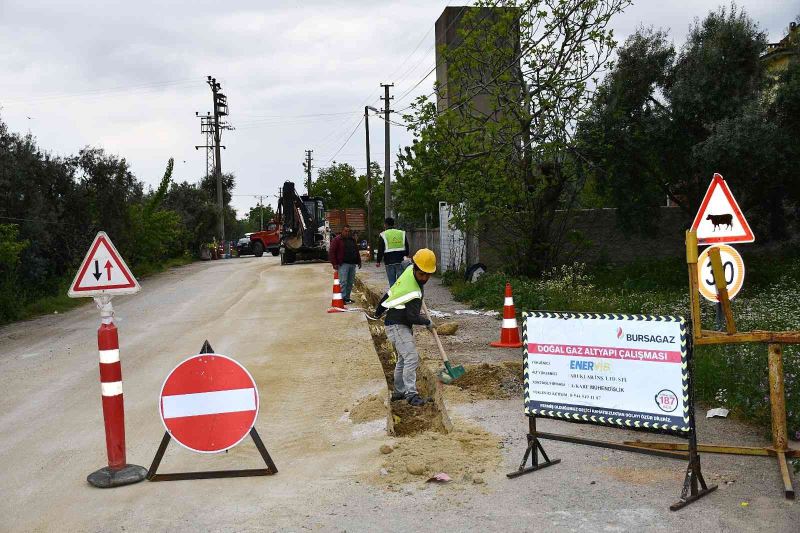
208 403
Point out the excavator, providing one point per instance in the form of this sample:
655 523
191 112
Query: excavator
304 230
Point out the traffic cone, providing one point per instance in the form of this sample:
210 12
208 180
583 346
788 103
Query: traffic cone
509 333
337 304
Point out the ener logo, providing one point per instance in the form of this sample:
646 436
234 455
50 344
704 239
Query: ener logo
666 400
619 333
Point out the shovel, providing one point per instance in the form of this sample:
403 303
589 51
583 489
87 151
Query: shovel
449 373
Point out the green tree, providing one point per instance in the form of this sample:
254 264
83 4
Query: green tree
500 148
340 187
157 233
662 122
253 220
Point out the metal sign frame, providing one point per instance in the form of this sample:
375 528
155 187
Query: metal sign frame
694 485
271 469
774 341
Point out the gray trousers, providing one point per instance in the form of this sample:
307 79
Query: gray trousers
347 278
405 371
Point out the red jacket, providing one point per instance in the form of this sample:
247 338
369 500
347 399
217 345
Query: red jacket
336 252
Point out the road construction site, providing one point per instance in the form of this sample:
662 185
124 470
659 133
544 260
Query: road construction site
347 457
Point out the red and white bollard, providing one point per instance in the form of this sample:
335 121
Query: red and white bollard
118 472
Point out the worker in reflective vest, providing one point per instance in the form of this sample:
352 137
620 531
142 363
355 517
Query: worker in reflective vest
403 305
392 249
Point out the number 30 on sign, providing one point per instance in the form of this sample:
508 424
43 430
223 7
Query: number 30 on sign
732 266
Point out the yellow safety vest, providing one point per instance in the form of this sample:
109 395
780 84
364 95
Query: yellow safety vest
394 240
403 291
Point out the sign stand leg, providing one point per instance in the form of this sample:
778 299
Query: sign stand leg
694 474
777 400
532 451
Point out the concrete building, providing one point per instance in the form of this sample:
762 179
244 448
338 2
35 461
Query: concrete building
451 26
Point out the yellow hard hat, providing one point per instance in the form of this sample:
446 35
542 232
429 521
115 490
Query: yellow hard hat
425 260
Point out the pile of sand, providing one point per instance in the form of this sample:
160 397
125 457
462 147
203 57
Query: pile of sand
464 454
369 409
411 420
493 380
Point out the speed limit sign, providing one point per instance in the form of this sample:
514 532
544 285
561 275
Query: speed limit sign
732 267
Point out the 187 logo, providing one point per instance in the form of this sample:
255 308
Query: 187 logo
666 400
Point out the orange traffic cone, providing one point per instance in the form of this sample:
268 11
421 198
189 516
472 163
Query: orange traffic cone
337 304
509 333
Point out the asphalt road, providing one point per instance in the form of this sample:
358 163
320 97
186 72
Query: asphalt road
310 368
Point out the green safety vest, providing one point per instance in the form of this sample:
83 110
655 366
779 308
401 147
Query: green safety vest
403 291
394 240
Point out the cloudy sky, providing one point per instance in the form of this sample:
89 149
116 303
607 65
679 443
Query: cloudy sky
129 77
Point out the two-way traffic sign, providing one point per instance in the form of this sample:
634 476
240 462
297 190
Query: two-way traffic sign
103 272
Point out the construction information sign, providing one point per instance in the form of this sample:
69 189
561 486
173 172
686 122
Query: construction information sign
609 369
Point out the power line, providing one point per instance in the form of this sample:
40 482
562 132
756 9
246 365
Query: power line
346 141
104 92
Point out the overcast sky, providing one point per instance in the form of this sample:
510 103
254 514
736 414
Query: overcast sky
129 77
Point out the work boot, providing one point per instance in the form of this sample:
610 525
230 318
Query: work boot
417 401
396 396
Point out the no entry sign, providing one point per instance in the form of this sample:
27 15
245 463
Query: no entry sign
208 403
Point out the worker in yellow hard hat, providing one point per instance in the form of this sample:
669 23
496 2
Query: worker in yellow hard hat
403 306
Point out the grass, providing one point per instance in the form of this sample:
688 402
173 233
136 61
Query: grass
61 303
734 376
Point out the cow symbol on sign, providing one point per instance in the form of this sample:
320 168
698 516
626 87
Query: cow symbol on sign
721 220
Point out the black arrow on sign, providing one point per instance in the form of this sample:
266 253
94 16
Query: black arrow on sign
97 273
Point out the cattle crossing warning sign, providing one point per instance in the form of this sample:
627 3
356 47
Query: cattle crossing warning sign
103 272
720 220
209 404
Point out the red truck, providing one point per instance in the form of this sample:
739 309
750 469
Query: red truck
268 240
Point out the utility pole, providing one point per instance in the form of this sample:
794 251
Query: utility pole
207 128
261 210
369 179
220 110
387 177
307 166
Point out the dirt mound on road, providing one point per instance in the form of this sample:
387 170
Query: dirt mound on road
411 420
464 454
368 409
493 380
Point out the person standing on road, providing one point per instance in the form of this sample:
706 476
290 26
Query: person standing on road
345 258
392 249
403 305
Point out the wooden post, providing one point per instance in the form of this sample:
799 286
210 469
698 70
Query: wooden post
694 291
776 396
722 288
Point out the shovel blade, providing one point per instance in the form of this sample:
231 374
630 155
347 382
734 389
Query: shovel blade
454 372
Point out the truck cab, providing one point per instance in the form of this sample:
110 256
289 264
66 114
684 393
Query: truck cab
267 240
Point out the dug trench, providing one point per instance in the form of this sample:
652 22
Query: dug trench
406 420
423 442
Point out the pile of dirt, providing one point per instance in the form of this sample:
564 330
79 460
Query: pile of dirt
368 409
493 380
409 420
465 454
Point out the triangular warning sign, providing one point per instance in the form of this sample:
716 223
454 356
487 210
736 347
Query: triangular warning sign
103 272
719 219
